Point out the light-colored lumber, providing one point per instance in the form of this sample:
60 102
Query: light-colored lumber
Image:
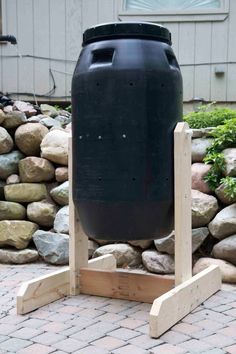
122 284
78 249
42 290
183 223
178 302
53 286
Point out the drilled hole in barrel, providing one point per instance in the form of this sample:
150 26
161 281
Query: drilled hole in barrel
97 84
99 178
131 84
133 179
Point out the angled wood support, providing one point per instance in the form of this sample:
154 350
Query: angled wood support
99 276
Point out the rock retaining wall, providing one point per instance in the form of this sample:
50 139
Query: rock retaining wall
34 212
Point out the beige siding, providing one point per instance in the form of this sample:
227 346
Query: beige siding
51 32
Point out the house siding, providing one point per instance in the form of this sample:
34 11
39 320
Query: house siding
51 31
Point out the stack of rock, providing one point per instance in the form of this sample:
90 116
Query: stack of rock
34 211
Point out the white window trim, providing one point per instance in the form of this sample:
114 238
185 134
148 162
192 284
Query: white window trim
198 15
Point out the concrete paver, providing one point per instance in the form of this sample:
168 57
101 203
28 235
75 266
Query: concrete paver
93 325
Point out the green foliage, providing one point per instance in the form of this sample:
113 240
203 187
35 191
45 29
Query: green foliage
224 136
229 186
68 108
205 118
214 176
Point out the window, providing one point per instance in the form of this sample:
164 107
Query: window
174 10
156 5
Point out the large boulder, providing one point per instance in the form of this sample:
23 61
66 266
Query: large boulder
9 163
60 194
11 211
49 110
157 262
6 142
224 223
54 147
230 162
36 169
61 174
226 249
125 255
14 119
61 222
199 148
167 244
28 138
144 244
43 213
222 195
11 256
52 247
24 107
25 192
228 270
16 233
204 208
199 171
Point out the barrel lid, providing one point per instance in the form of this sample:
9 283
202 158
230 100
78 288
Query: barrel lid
127 30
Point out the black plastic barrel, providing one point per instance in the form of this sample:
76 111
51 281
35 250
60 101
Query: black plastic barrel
126 101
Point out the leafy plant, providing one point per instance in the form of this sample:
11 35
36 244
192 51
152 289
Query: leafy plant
205 118
68 108
229 186
214 176
224 136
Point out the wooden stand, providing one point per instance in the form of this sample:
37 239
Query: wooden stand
171 300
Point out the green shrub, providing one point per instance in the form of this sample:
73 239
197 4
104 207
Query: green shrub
205 118
229 186
224 137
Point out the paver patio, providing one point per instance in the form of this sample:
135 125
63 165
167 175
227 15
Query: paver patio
94 325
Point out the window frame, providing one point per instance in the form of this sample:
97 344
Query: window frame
188 15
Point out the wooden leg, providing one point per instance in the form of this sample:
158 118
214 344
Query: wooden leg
78 250
171 307
183 217
51 287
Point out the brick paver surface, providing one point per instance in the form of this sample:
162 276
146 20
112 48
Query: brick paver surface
93 325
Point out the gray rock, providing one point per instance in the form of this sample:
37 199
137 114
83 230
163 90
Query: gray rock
226 249
24 107
54 146
25 192
228 270
50 122
61 222
52 247
63 120
28 138
6 142
224 223
48 110
16 233
203 132
34 119
199 147
36 169
157 262
198 172
61 174
11 211
14 119
2 116
230 162
60 194
221 194
11 256
204 208
13 179
167 244
125 255
144 244
9 163
43 213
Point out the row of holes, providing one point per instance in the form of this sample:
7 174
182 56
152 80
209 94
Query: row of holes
130 84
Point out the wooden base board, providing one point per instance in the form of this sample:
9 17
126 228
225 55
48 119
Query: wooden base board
122 284
171 307
51 287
